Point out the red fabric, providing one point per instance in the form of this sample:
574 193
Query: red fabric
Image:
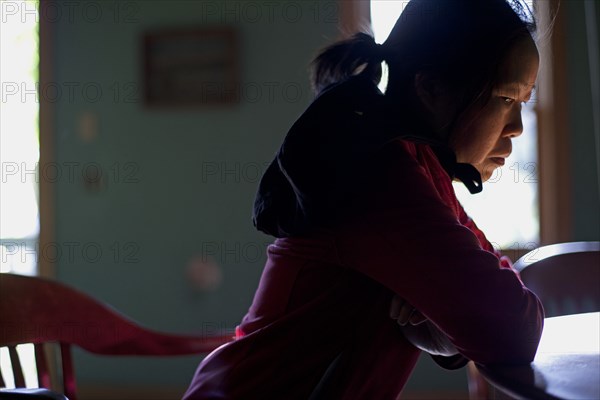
331 292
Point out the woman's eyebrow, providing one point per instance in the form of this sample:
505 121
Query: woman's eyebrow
533 89
517 87
531 86
516 84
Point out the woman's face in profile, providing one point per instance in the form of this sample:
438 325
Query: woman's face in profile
486 141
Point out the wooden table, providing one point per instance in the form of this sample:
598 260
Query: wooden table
566 366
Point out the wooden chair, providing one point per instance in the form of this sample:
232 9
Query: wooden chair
36 310
565 277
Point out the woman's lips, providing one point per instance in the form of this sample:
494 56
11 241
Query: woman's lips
498 160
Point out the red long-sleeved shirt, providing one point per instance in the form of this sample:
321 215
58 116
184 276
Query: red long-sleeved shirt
330 292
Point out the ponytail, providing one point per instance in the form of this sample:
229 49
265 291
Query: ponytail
345 58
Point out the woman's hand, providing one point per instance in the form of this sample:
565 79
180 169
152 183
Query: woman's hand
404 313
418 330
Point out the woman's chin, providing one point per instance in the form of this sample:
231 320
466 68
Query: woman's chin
486 171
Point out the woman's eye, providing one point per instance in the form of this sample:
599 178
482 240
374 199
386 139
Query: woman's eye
507 100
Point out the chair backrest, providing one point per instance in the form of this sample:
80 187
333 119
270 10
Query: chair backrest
36 310
565 276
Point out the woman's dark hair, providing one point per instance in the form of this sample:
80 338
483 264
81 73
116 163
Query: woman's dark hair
460 42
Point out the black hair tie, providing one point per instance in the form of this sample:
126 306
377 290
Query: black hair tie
382 52
379 52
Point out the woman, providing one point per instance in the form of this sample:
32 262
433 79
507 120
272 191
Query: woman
375 258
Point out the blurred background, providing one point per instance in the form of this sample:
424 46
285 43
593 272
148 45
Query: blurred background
134 134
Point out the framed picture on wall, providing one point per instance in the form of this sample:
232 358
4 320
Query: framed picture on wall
191 67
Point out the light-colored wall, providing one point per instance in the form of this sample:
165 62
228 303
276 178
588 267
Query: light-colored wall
179 183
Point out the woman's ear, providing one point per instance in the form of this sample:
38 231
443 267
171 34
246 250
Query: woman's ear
428 91
438 103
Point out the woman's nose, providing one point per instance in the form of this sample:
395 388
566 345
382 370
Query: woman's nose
514 127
